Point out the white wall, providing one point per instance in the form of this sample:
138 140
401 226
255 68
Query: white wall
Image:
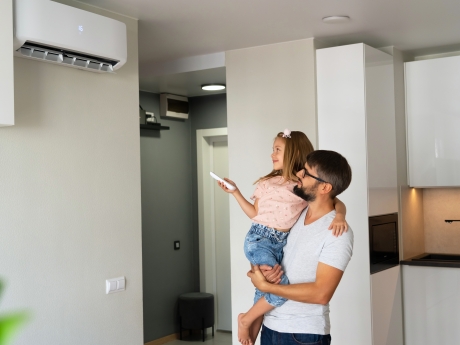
70 205
400 113
6 66
270 88
381 133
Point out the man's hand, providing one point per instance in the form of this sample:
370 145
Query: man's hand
272 274
258 279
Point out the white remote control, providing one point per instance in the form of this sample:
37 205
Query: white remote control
228 185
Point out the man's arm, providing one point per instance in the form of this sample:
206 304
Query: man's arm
319 292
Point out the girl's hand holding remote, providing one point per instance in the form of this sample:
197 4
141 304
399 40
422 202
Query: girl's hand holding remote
224 187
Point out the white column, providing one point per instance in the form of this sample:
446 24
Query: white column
270 88
342 128
356 118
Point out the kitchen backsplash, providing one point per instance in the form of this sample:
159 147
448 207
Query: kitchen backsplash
413 234
438 205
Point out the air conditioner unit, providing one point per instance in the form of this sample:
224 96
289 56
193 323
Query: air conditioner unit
173 106
52 32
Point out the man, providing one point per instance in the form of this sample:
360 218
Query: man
314 260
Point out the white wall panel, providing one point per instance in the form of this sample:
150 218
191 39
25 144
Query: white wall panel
70 204
381 133
6 65
270 88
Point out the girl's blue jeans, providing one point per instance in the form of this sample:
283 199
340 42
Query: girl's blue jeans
264 246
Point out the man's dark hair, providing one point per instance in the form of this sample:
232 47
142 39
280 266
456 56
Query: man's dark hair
331 167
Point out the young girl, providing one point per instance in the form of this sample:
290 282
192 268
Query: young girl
275 210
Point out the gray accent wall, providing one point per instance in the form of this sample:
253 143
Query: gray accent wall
169 209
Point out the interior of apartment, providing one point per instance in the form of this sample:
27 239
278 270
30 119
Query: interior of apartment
107 210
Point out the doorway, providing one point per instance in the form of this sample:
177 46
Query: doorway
214 223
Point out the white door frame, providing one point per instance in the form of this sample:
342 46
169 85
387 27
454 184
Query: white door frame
206 225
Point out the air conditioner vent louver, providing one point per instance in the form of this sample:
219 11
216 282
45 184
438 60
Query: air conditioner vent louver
40 52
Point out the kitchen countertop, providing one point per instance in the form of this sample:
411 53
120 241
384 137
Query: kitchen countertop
432 262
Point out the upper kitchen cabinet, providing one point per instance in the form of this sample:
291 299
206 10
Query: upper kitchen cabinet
433 122
6 65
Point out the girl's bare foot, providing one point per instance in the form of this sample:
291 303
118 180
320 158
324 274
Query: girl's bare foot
243 331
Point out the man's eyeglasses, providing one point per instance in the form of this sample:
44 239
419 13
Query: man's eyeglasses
305 173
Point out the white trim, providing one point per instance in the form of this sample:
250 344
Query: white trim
204 140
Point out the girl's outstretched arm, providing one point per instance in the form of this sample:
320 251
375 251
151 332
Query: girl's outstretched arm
246 206
339 224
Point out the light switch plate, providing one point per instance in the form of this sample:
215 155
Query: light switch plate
115 285
121 283
176 245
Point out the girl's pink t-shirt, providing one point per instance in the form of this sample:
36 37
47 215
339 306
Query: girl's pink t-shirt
278 206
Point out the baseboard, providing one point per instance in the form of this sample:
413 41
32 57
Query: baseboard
174 336
166 339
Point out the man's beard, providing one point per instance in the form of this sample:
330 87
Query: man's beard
309 195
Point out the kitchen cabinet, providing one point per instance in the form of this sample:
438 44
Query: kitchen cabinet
387 307
431 298
6 65
433 122
356 117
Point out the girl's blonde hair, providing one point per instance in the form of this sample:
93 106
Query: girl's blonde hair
296 149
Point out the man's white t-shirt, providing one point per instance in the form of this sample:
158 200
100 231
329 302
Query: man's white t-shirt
306 246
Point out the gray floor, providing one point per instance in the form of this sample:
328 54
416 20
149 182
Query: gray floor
220 338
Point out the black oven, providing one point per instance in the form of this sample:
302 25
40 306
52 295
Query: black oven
383 242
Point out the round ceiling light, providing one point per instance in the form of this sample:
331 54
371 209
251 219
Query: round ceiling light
213 87
336 19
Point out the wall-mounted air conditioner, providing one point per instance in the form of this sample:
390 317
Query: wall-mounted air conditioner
174 106
52 32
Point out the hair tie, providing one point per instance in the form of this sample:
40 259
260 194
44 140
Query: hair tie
286 133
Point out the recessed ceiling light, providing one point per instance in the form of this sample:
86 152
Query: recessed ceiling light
336 19
213 87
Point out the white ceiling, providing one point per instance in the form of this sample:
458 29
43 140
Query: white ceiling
174 29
